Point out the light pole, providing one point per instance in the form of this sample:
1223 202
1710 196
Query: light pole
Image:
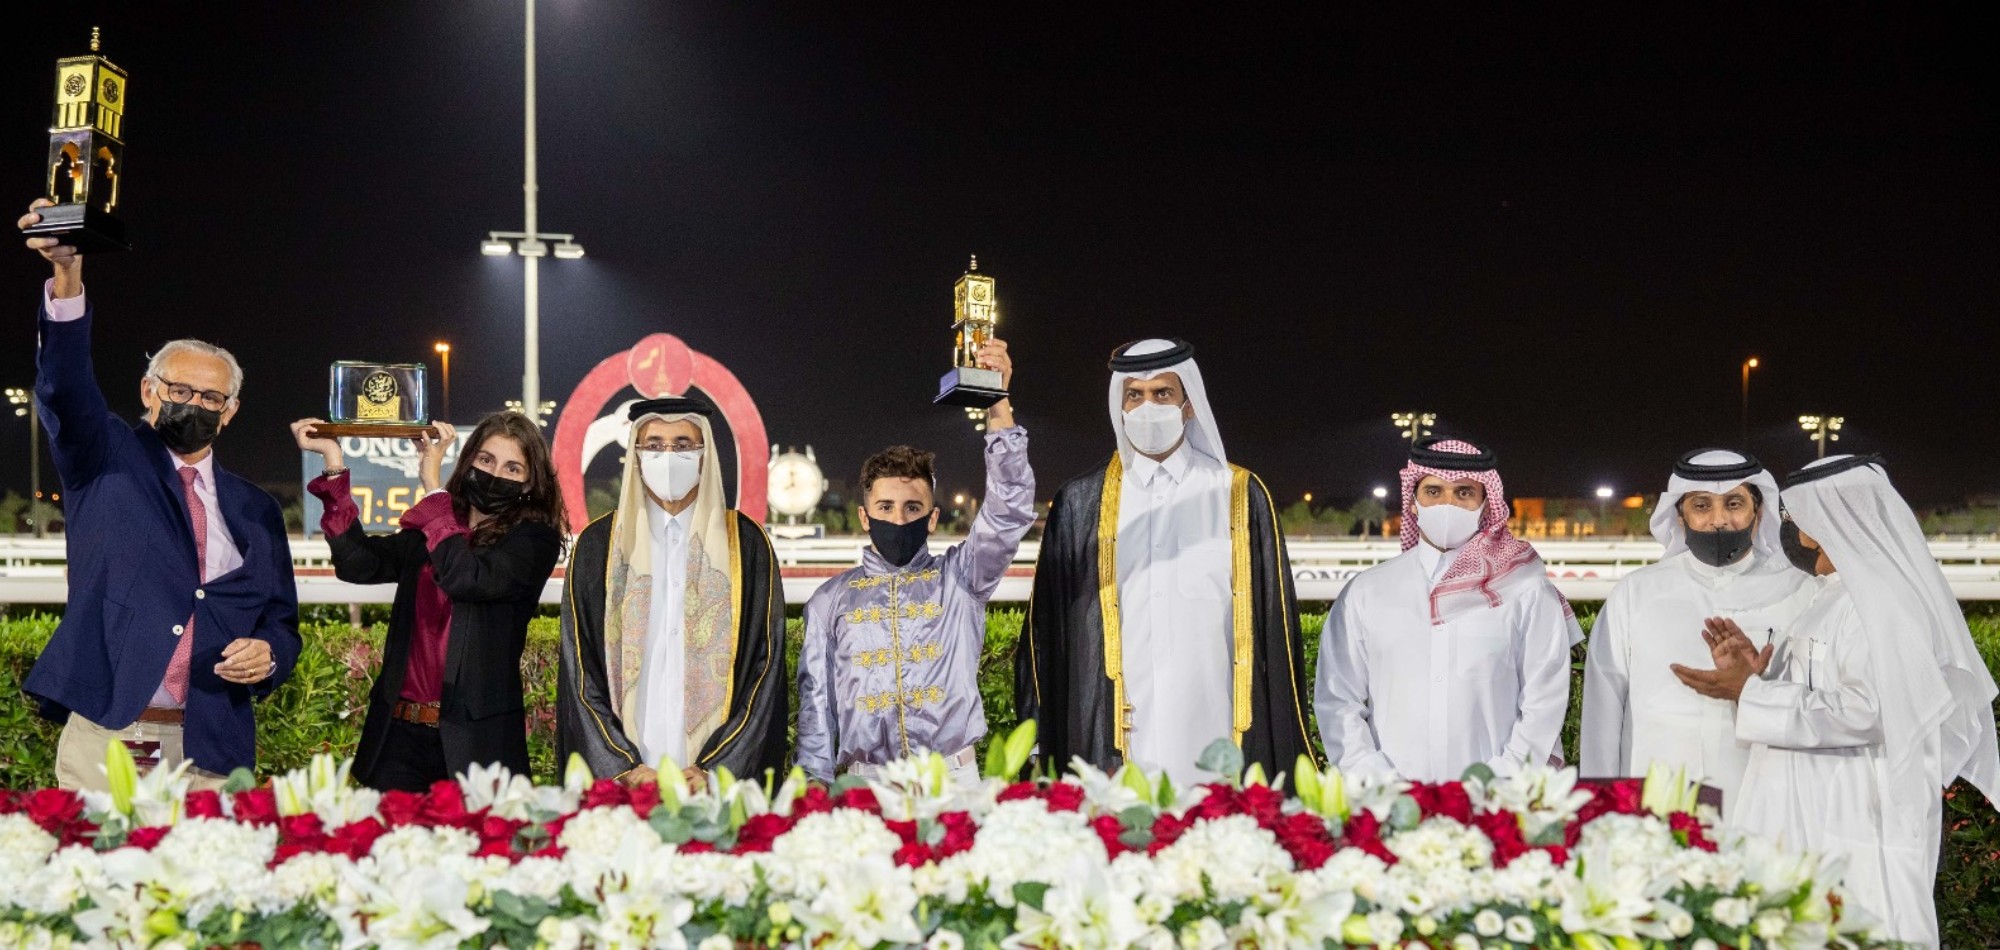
530 243
1748 365
444 353
1414 425
1822 429
541 414
23 401
1603 499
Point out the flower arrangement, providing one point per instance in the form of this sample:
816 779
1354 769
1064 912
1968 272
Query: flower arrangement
1087 859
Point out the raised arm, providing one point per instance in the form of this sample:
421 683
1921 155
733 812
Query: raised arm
1836 709
1004 517
71 406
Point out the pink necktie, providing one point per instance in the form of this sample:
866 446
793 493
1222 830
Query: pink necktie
177 668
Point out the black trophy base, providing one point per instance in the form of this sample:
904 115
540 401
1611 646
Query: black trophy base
970 387
371 430
83 227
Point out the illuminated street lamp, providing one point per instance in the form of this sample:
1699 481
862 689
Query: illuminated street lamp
444 353
1821 429
1603 498
1748 365
1414 425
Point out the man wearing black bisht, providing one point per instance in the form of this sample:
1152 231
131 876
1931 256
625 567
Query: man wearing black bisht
1163 616
673 620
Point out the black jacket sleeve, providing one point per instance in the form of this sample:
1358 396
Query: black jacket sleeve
752 739
587 722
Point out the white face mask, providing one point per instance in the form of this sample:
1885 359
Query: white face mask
1446 525
671 475
1153 427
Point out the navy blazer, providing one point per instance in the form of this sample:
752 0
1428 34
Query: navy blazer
133 577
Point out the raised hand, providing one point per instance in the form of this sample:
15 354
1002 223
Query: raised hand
432 449
67 262
328 449
993 355
1736 660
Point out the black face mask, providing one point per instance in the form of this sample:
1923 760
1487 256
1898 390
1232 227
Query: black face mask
187 428
899 543
1719 548
1804 558
492 494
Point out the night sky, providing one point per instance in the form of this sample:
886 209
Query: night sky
1560 231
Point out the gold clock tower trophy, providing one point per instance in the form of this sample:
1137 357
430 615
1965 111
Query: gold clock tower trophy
975 308
382 400
86 155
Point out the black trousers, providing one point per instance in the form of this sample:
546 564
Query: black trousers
412 759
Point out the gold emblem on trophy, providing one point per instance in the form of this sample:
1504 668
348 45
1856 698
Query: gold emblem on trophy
86 155
975 310
375 400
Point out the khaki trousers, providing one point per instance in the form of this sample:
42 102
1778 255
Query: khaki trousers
80 754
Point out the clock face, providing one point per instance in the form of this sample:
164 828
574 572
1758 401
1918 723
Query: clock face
110 89
74 85
981 292
796 484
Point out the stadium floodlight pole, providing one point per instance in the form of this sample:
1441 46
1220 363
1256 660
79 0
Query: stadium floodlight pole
23 401
529 242
1822 429
1414 425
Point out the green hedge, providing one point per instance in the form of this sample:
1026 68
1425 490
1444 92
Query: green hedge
320 709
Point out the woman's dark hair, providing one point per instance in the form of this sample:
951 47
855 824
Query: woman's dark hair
543 502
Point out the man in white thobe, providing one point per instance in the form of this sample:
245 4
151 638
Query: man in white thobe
1873 702
1722 559
1163 616
1455 652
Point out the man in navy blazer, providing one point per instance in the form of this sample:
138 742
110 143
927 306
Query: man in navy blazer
182 607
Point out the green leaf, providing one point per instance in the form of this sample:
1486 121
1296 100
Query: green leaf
1405 814
849 782
1031 893
240 780
1478 772
1223 758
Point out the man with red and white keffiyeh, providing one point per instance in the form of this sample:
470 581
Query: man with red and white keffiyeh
1455 652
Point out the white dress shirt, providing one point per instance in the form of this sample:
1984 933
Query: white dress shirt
1175 615
1635 711
663 672
1397 694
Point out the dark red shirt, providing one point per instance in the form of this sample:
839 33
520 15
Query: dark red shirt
423 678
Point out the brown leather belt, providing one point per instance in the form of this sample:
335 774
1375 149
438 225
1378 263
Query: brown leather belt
171 717
423 714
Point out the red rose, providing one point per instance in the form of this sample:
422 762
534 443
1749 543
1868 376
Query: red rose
1626 794
1261 802
1362 826
1557 853
145 838
959 833
913 855
1168 829
906 830
355 838
644 797
1688 830
203 803
603 793
1062 796
52 808
256 806
489 848
860 799
1108 829
759 832
444 805
815 800
400 808
1221 801
1018 792
696 846
1454 803
1504 830
1375 847
1305 837
302 828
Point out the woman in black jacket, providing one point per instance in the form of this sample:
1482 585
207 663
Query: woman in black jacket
469 566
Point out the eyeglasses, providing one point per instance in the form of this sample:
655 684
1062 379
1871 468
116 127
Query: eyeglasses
182 393
656 446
